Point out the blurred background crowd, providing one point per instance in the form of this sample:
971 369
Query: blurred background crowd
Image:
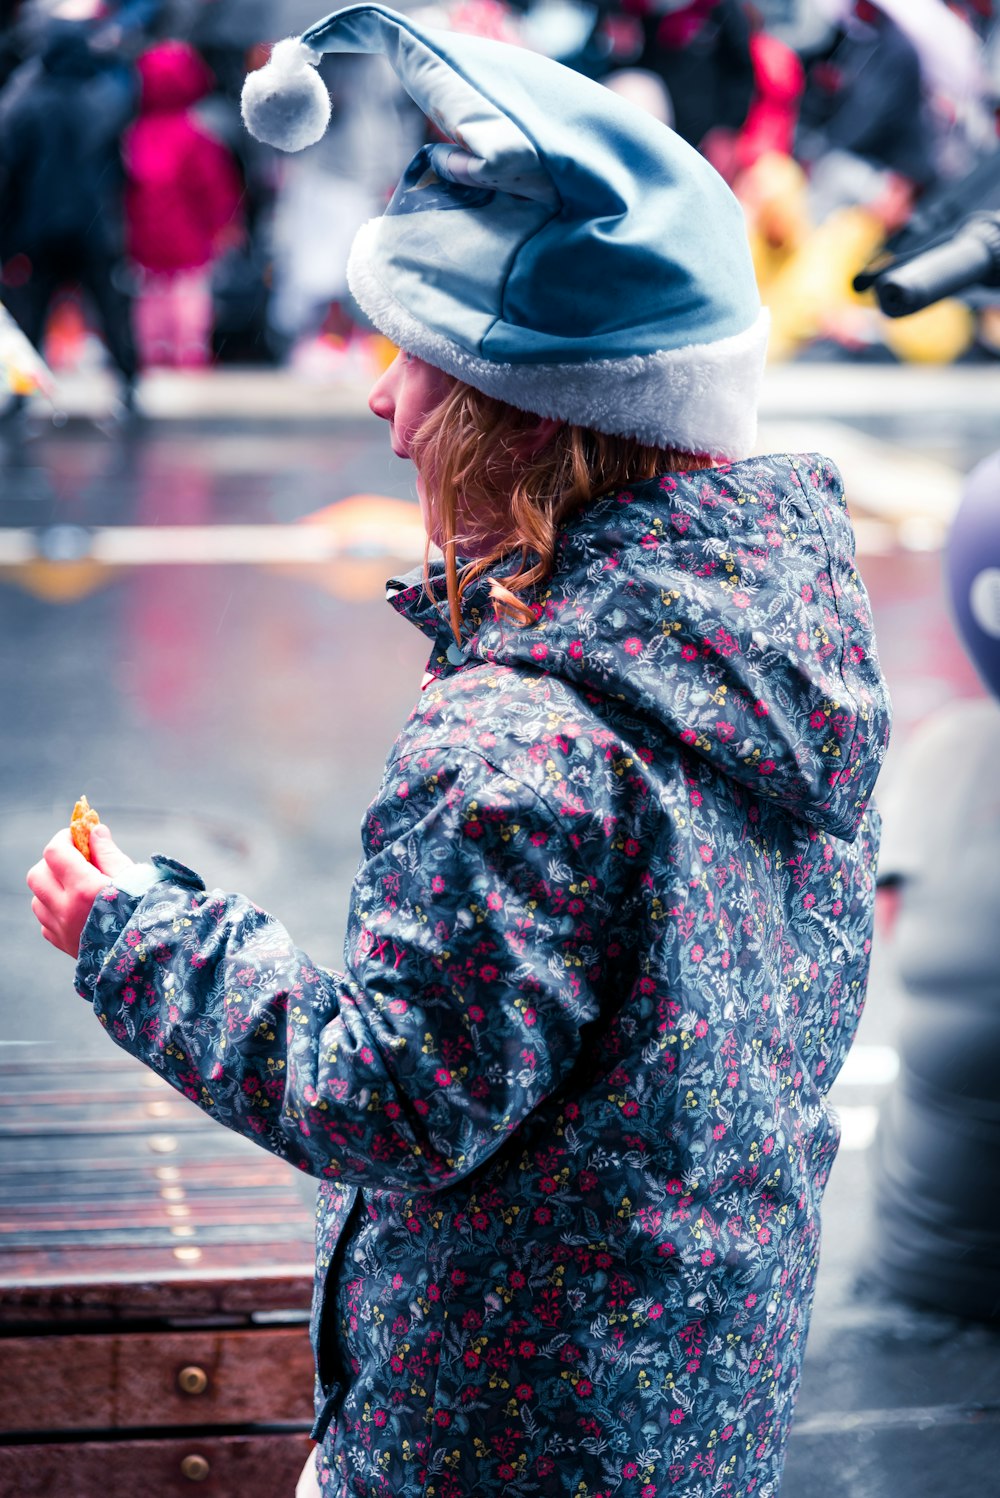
141 224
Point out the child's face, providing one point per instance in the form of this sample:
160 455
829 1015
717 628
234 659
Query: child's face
404 395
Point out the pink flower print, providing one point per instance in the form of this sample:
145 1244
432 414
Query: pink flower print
438 884
676 1416
584 1388
724 731
539 651
633 645
689 652
806 593
688 736
442 1076
630 1470
697 953
524 1392
741 600
766 767
631 847
575 649
379 1417
708 1257
655 1311
817 718
476 1014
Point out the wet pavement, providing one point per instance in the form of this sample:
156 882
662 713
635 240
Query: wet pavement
234 710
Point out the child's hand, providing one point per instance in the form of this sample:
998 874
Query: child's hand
65 885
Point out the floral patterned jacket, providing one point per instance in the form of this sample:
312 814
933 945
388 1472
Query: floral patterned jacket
607 948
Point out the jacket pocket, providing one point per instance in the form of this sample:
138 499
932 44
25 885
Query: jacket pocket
331 1373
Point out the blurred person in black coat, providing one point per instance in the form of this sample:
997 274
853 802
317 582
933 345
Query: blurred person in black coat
701 51
863 115
62 113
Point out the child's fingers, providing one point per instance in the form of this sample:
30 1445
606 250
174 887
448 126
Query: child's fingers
41 912
43 884
63 856
47 920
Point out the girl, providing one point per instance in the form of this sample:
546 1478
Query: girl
608 942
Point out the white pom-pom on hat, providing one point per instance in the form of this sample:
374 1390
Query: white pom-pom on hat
285 103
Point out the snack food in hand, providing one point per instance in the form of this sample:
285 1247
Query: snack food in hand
84 817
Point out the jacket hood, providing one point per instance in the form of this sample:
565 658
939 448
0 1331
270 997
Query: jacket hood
173 76
66 51
725 606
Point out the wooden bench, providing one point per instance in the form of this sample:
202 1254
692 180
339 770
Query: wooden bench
155 1278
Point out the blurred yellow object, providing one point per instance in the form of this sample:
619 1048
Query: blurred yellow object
382 352
937 335
812 293
22 368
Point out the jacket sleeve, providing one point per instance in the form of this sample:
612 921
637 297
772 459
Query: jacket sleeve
470 970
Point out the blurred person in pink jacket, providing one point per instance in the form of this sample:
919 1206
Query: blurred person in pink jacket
182 200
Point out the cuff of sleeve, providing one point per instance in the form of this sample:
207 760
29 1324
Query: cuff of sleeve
114 908
159 870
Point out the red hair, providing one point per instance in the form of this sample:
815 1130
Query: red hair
481 461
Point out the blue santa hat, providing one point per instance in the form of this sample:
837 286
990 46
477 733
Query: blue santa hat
560 249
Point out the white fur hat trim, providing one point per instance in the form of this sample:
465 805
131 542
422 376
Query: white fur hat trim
698 399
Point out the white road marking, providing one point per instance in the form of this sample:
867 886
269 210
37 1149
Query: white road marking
857 1125
869 1066
192 545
